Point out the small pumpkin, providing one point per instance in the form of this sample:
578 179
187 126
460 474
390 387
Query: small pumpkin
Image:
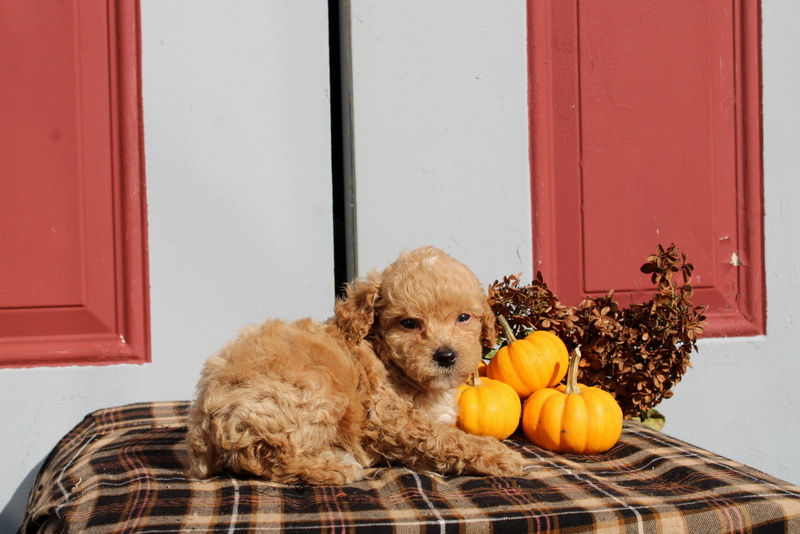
488 407
575 420
538 361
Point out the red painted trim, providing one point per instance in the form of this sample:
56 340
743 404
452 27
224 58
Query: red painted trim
127 341
133 287
540 98
751 169
556 162
554 112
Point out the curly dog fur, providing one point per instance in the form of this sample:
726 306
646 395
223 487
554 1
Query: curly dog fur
315 403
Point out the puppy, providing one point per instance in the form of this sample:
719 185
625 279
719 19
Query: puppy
311 403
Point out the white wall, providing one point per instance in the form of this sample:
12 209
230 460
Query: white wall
441 132
237 141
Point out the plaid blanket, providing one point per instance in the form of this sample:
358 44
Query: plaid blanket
124 470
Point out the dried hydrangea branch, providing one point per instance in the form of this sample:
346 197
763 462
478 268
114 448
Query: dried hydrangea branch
638 353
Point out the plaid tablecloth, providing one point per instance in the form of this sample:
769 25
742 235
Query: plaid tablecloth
124 470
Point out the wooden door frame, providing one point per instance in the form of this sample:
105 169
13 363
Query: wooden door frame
128 340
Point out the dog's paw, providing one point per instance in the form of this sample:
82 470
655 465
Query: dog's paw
334 468
338 475
496 459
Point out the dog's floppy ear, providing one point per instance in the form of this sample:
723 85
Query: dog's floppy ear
489 328
355 313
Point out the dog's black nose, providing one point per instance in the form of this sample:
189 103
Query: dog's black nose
444 357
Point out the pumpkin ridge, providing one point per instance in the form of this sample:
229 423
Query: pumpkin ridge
521 369
575 428
552 424
504 369
554 352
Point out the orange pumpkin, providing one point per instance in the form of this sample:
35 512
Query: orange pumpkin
527 365
576 420
488 408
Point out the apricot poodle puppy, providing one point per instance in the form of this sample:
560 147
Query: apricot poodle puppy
313 403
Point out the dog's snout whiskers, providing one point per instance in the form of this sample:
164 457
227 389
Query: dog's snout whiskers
445 357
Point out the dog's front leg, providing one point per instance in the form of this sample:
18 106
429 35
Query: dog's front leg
404 436
452 451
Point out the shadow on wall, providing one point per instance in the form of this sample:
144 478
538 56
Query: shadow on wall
12 515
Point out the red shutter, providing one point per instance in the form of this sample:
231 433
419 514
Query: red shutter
645 129
73 271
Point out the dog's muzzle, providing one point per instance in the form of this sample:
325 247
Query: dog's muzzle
445 357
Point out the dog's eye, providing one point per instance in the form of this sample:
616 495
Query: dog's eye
409 324
464 317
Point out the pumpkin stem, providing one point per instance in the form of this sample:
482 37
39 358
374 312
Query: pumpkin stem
572 372
474 380
507 332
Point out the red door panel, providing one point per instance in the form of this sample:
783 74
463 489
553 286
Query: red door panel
72 248
662 154
645 130
40 167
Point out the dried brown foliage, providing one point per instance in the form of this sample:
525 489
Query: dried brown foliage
637 353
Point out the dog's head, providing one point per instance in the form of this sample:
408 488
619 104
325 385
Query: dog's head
426 314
